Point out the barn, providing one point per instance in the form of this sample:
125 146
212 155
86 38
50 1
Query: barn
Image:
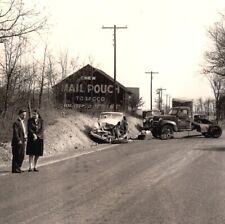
91 88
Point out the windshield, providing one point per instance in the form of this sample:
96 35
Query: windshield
111 115
152 113
173 111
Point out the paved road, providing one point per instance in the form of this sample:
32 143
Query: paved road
143 182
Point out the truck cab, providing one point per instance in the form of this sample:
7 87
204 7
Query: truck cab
178 119
182 118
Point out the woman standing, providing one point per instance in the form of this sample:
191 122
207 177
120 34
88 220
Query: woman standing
35 141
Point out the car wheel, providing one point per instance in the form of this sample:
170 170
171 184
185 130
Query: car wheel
166 132
154 133
215 131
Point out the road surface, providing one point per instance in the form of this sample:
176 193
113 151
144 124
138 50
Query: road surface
179 181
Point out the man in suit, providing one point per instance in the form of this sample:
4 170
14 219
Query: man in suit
19 142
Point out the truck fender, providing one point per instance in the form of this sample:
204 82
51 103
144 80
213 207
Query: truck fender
172 123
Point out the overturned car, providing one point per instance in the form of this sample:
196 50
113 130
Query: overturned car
111 127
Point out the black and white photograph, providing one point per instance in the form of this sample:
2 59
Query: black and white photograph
112 112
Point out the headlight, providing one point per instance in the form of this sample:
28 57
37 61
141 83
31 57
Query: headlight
144 120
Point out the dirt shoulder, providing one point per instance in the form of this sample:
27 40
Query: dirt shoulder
67 132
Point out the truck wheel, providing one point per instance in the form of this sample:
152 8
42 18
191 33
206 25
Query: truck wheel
166 132
215 131
155 133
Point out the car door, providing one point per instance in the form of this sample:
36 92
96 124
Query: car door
184 121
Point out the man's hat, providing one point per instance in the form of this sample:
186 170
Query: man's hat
21 111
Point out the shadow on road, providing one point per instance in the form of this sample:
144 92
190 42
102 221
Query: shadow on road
213 148
193 136
4 171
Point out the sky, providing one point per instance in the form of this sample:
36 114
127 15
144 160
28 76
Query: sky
164 36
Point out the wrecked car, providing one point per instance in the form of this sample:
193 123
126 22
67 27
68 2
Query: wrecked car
111 127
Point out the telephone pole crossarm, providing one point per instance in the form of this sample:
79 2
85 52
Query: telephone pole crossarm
112 27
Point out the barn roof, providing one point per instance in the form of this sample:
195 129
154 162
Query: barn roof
88 68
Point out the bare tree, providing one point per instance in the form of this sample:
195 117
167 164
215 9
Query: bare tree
68 64
214 66
74 63
217 83
63 62
215 57
27 84
200 105
18 20
51 73
134 102
13 52
42 78
209 106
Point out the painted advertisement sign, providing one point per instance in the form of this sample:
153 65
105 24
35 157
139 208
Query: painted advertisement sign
89 86
91 90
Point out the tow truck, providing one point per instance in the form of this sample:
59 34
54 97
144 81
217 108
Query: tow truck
180 118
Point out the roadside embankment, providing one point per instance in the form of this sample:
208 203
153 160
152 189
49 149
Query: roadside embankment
67 131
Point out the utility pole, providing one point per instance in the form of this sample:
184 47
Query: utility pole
151 72
159 91
167 96
114 34
168 99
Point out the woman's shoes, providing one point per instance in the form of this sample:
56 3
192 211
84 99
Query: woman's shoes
36 170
